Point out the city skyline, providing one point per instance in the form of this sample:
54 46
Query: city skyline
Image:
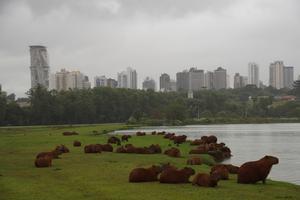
103 37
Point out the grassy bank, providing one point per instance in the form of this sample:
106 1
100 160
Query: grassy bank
104 176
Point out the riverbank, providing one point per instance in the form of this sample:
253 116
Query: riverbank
105 176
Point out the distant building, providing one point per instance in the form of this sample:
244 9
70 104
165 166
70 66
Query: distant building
239 81
39 66
173 86
164 82
288 77
149 84
253 74
220 78
182 81
209 80
127 79
112 83
192 80
276 74
100 81
65 80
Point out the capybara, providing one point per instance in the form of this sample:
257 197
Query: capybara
114 140
212 139
197 151
144 174
161 133
121 149
92 148
62 148
218 155
154 148
179 139
254 171
205 180
171 175
172 152
196 142
169 135
153 133
221 171
140 133
76 143
45 161
106 147
231 168
194 161
125 138
68 133
52 154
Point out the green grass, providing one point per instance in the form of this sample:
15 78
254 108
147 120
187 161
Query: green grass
104 176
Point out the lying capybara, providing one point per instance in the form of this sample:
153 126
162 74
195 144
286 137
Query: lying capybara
212 139
52 154
196 142
218 155
179 139
169 135
171 175
92 148
140 133
161 133
154 148
153 133
144 174
231 168
106 147
44 161
62 148
205 180
68 133
254 171
76 143
172 152
125 138
194 161
121 149
221 171
114 140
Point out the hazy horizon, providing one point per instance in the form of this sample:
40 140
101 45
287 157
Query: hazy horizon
105 37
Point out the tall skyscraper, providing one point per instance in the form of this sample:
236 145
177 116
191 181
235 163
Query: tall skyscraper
112 83
149 84
164 82
288 77
220 78
39 66
100 81
182 81
209 80
127 79
239 81
192 80
276 74
253 74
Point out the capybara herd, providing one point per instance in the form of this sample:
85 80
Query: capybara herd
248 173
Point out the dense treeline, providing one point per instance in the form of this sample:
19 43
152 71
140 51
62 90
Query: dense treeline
100 105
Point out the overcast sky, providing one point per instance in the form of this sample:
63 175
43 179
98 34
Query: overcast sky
103 37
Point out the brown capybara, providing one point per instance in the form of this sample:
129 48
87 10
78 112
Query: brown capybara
44 161
196 142
125 138
144 174
254 171
169 135
221 171
106 147
204 139
114 140
179 139
153 133
68 133
197 151
194 161
171 175
172 152
231 168
154 148
121 149
52 154
140 133
92 148
62 148
212 139
161 133
218 155
205 180
76 143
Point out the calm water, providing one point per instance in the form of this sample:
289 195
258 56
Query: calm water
251 142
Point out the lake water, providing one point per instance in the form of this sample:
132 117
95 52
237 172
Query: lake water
251 142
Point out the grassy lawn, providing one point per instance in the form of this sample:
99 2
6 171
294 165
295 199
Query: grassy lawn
104 176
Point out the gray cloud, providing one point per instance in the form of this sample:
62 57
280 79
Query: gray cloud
105 36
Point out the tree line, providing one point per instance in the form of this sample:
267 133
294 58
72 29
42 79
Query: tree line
103 105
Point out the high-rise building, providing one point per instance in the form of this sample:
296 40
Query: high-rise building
164 82
39 66
127 79
209 80
182 81
253 74
173 86
239 81
100 81
192 80
65 80
112 83
276 74
220 78
288 77
149 84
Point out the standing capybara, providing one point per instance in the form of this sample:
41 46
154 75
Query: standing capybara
254 171
172 152
62 148
44 161
172 175
194 161
114 140
221 171
144 174
76 143
205 180
231 168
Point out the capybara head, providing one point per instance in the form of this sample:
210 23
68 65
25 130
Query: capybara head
271 160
